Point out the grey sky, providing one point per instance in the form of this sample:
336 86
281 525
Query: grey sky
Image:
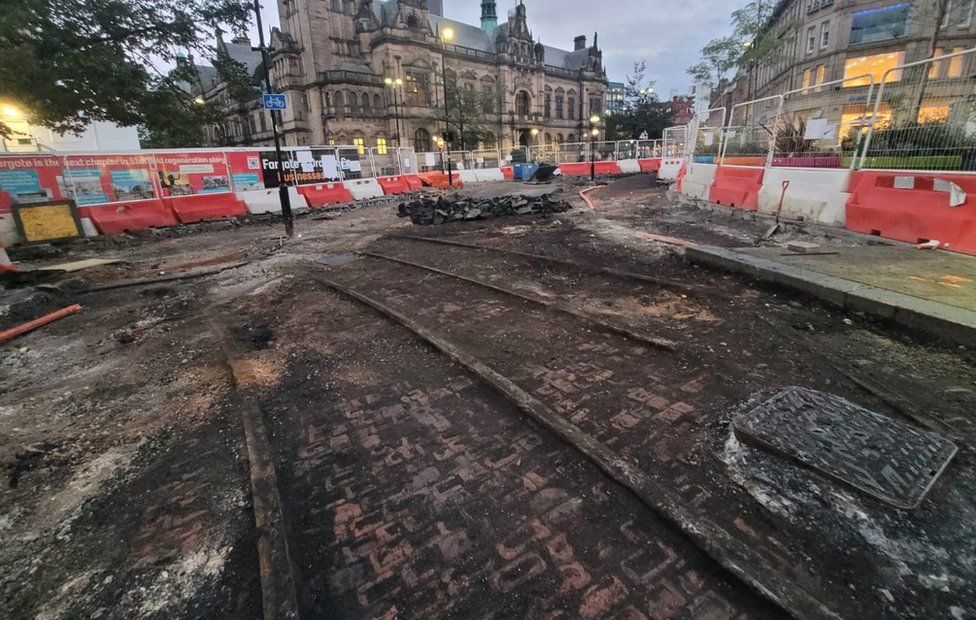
668 34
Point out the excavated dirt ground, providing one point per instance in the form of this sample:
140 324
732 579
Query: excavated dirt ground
410 488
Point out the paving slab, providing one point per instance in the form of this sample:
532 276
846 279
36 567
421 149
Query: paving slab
929 291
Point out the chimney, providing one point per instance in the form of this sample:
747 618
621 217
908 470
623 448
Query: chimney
580 42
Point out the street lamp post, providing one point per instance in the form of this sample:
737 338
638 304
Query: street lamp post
447 35
594 133
395 85
286 214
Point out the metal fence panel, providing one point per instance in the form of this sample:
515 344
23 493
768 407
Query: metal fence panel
675 141
823 125
924 116
751 134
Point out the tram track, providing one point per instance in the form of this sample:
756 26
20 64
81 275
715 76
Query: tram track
742 562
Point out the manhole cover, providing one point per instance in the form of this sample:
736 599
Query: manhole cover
884 458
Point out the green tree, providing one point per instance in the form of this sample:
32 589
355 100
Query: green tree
67 63
642 111
718 57
471 114
754 40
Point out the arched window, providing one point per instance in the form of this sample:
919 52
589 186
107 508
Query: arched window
572 138
560 104
559 138
571 104
377 102
364 101
548 102
353 101
421 140
340 103
548 138
522 103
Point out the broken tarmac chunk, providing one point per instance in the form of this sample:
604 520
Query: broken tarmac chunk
426 211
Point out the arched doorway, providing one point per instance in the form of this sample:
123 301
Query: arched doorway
421 140
525 138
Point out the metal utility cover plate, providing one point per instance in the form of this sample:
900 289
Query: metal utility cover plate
887 459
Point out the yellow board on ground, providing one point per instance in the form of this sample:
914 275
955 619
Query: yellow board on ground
48 221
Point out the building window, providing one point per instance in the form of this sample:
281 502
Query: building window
381 146
522 103
421 141
948 12
811 39
571 105
965 13
596 105
821 74
560 101
872 25
360 144
806 79
876 66
416 88
824 35
955 63
548 104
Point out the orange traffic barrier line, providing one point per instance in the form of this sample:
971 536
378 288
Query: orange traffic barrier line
13 332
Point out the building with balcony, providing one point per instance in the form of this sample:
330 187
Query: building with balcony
370 73
848 44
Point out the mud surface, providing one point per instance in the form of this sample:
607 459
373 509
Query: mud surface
412 489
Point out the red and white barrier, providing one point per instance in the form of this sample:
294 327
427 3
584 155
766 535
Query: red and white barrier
670 167
698 180
915 207
364 189
814 194
263 201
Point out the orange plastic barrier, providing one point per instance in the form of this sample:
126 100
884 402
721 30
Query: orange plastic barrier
582 169
737 187
915 213
123 217
439 180
508 172
325 194
650 165
199 207
394 185
413 181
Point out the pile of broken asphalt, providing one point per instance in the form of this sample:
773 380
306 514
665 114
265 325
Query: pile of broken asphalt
427 211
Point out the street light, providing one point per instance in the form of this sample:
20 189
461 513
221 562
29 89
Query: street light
200 101
395 85
9 110
594 134
446 35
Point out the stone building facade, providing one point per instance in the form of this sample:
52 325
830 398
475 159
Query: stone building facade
834 40
335 58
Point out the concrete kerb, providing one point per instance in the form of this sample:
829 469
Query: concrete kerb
824 229
949 323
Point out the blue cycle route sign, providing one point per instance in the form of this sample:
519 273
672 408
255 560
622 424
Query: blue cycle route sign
275 102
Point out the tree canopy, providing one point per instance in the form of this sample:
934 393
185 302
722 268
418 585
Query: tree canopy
754 40
641 111
66 63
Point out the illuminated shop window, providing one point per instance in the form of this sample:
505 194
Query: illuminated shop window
875 66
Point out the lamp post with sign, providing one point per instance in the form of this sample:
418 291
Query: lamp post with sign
275 103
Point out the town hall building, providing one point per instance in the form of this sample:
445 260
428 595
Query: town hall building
370 73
